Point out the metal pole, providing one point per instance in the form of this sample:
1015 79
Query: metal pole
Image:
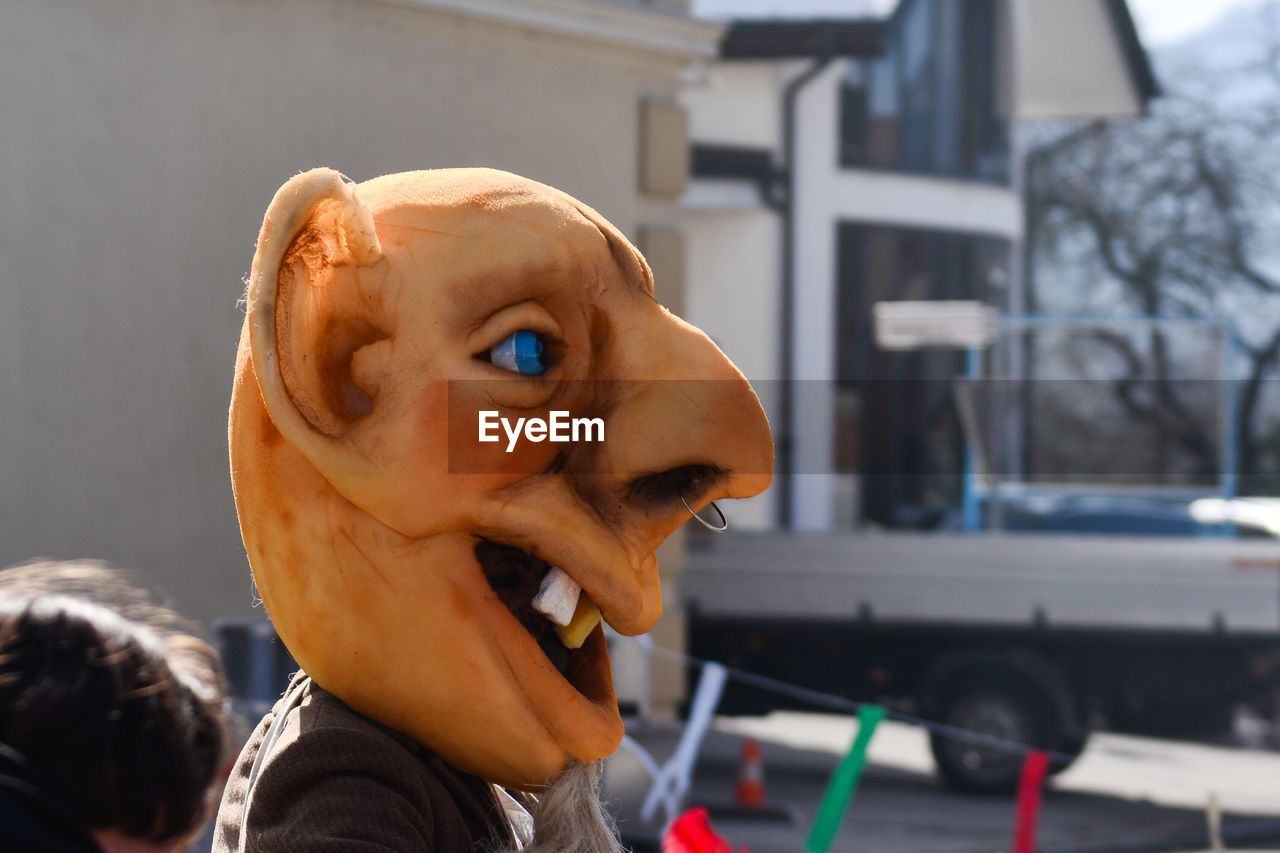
972 506
786 377
1230 414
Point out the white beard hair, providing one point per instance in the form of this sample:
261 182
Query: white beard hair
569 816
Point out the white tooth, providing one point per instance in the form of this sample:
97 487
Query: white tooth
557 598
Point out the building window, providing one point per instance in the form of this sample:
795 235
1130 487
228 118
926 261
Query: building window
855 118
930 104
896 426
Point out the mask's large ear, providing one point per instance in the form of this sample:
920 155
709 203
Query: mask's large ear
310 313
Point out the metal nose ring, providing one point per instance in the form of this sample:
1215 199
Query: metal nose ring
724 522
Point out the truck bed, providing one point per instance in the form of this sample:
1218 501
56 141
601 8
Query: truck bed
1222 586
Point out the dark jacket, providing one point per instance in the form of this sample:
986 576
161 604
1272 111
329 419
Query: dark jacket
33 819
337 781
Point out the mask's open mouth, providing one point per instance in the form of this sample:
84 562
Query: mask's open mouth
576 703
516 577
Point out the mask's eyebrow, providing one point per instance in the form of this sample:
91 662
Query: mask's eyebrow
633 265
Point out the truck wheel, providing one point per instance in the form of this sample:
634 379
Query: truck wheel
1000 707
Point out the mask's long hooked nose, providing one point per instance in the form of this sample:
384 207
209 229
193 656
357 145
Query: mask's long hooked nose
686 425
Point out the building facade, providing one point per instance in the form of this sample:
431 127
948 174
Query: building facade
841 163
138 160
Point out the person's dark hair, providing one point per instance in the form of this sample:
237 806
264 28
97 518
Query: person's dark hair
112 704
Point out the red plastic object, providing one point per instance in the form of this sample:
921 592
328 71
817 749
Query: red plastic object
1030 788
692 833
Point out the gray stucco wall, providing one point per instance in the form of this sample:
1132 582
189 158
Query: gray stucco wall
140 142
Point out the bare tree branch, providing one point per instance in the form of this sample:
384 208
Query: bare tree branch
1177 212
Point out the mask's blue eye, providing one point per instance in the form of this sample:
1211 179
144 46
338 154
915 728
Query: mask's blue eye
521 352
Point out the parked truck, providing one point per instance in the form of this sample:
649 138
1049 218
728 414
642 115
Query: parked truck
1036 638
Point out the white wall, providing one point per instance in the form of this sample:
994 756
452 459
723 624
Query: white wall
734 241
137 156
1070 64
733 263
733 285
735 103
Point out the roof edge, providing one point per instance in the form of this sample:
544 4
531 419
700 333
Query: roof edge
621 23
1135 56
778 38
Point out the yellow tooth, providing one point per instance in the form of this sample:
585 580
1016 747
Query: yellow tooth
585 618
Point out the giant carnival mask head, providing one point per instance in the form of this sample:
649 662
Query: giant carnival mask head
397 553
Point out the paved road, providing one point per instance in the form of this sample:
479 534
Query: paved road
1123 790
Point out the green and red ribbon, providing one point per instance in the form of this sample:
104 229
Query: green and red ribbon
844 782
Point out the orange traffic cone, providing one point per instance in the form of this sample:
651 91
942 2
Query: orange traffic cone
749 791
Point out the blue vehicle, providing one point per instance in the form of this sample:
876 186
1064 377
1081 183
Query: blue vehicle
1128 515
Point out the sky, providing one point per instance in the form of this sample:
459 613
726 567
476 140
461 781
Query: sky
1161 22
1164 22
